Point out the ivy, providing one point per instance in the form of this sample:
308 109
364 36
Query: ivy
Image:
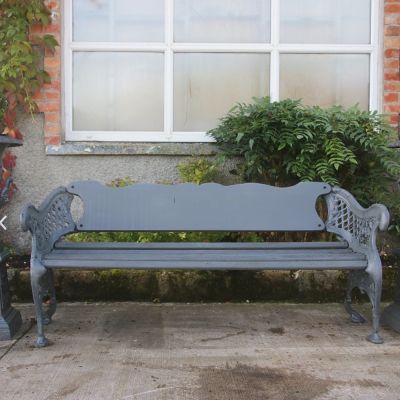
21 72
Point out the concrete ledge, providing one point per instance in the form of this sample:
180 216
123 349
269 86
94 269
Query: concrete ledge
123 149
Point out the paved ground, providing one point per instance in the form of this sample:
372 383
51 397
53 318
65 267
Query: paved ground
140 351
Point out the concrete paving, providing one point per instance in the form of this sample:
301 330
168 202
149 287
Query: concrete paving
138 351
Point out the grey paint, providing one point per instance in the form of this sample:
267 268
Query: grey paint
37 173
112 208
208 207
358 227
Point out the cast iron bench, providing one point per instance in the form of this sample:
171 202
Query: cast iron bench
207 207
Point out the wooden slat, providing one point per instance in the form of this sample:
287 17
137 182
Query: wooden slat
195 245
224 255
207 207
230 265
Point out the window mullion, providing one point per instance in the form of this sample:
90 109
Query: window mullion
169 69
274 70
376 67
68 68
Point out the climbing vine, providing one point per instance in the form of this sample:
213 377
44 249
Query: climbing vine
21 71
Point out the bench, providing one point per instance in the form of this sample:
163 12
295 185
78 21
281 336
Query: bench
207 207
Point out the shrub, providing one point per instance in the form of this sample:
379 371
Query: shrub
197 170
282 143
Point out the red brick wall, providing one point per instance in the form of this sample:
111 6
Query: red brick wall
391 99
49 99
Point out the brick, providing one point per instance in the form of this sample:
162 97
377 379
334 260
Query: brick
53 117
392 8
392 42
54 84
48 106
392 63
392 19
52 95
53 28
392 30
392 108
392 76
391 97
392 53
394 120
36 28
52 140
52 129
392 86
38 95
52 62
52 4
54 73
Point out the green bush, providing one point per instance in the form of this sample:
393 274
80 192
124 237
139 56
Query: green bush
282 143
197 170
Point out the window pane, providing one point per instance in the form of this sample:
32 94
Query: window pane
235 21
325 79
325 21
118 91
118 20
207 85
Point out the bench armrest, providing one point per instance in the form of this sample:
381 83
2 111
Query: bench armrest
356 224
49 222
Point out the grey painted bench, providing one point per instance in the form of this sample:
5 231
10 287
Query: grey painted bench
208 207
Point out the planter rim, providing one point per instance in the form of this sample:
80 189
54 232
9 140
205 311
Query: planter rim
11 142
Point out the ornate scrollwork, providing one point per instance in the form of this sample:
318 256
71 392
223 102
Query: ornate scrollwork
357 225
52 220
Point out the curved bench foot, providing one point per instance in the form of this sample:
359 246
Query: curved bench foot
375 338
41 341
355 316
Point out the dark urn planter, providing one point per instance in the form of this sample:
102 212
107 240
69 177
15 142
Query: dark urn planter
10 318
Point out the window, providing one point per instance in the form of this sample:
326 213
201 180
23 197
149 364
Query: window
167 70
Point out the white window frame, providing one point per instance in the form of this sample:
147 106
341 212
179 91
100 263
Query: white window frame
169 48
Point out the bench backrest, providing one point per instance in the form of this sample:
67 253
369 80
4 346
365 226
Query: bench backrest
207 207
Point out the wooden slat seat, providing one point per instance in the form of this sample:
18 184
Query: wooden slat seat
321 255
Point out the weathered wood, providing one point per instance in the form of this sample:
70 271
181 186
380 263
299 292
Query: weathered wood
207 207
200 264
201 245
203 255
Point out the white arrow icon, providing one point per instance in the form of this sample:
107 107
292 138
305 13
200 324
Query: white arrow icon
1 222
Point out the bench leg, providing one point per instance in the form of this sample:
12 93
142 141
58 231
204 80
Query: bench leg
50 291
375 297
372 285
355 316
38 273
